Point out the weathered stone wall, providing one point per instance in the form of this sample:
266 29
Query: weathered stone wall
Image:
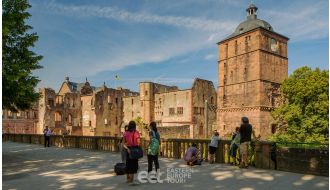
306 161
45 107
229 119
168 106
88 115
109 112
131 108
175 131
19 126
203 90
147 98
179 102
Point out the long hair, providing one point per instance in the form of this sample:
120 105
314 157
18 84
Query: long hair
245 120
153 126
131 126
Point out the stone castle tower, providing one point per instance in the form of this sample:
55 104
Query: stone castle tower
253 62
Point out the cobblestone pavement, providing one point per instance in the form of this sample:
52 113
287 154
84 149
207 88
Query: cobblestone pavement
28 166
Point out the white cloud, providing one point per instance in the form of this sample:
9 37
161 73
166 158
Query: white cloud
143 17
297 23
300 23
210 57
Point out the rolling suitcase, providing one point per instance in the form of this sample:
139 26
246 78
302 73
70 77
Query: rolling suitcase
120 168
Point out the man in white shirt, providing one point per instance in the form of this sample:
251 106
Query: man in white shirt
47 134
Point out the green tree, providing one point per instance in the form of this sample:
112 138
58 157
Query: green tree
18 60
141 126
303 117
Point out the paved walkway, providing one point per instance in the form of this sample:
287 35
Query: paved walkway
27 166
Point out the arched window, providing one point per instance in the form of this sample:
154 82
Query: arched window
70 119
58 116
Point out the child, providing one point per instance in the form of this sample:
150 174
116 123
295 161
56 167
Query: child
213 147
234 145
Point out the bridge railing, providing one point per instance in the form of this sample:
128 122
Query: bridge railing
262 154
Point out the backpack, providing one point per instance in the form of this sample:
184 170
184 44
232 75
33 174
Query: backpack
153 147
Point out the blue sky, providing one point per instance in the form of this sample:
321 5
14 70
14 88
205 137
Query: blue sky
170 42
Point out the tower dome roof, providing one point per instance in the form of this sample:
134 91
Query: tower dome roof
251 22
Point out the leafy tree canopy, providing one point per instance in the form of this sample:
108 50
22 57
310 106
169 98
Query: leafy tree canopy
18 60
303 117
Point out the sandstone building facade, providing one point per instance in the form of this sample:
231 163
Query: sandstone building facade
82 109
253 62
178 113
23 122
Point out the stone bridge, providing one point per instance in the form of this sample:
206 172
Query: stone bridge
31 166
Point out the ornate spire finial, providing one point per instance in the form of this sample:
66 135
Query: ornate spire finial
252 11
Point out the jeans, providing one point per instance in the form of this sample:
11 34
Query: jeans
153 158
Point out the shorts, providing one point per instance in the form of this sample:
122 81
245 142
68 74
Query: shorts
244 147
212 149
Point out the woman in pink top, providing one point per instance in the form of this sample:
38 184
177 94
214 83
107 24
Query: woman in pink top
131 139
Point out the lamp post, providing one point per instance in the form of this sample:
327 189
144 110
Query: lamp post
206 119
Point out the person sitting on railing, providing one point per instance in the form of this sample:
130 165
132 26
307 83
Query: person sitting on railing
213 147
192 156
234 145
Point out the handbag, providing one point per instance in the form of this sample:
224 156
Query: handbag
136 151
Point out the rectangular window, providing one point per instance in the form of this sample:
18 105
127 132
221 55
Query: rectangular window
273 128
132 101
50 102
180 110
117 101
146 93
196 110
171 111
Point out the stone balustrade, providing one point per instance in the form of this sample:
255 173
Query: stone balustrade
263 154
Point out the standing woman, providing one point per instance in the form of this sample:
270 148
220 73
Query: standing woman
153 148
123 151
131 140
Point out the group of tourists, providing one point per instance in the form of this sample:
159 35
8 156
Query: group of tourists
131 150
241 139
